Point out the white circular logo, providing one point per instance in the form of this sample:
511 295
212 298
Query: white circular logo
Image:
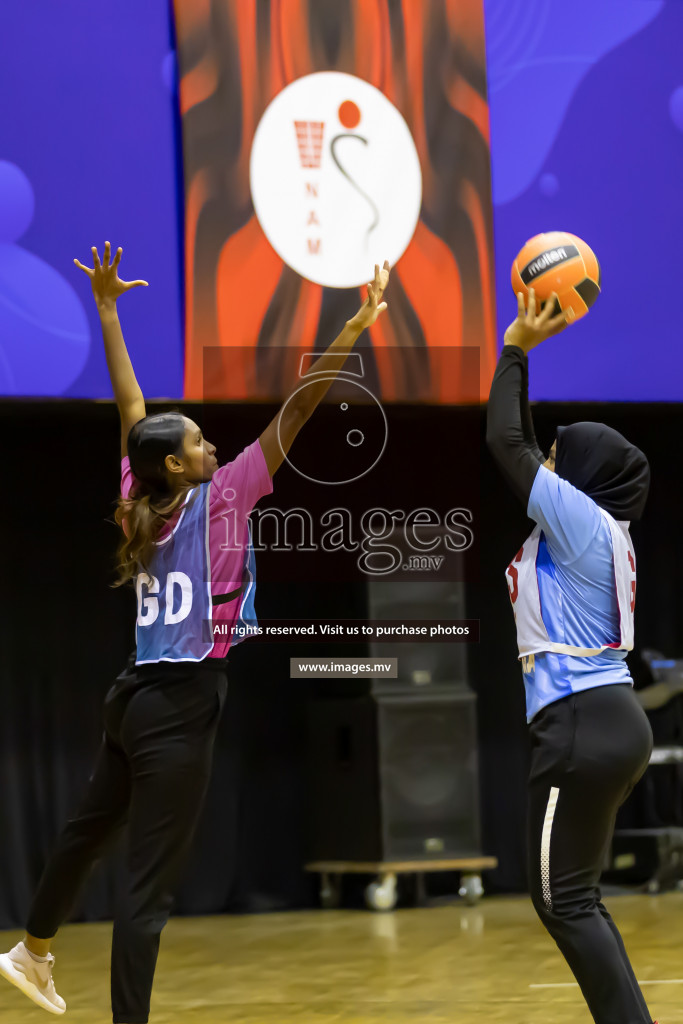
335 178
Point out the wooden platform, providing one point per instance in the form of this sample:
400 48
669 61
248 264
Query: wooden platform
382 893
442 965
402 866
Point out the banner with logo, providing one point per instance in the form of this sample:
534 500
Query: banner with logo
318 140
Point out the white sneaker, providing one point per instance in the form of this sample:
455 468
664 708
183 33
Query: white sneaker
33 978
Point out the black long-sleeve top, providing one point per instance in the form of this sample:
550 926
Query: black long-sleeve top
509 428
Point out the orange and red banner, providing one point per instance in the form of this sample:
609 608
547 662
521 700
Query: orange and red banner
320 139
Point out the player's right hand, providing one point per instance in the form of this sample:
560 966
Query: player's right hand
373 307
104 279
529 330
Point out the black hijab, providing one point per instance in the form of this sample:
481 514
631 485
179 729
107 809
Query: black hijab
600 462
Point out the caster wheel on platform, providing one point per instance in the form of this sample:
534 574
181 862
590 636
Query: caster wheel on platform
330 893
653 887
471 889
381 895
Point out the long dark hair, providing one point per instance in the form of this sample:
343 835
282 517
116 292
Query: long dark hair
151 501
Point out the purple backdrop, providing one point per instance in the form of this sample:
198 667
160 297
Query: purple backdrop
587 136
87 153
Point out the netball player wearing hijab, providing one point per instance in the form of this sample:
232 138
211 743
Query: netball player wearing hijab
187 543
572 586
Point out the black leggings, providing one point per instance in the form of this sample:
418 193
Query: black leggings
151 774
588 751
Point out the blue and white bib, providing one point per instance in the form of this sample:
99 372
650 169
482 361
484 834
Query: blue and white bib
174 603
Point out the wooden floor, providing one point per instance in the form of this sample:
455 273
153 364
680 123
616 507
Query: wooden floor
442 965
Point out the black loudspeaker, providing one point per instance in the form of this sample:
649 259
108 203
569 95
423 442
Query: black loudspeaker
419 664
393 777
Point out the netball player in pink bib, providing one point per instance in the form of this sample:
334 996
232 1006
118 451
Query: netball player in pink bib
186 543
572 587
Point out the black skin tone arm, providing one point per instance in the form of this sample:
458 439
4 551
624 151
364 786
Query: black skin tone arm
277 438
509 426
280 433
525 414
107 287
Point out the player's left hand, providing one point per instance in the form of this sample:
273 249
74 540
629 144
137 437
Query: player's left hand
373 305
529 330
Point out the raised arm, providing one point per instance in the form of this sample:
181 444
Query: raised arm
526 417
107 287
277 438
509 427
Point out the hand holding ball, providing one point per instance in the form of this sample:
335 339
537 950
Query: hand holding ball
530 327
562 263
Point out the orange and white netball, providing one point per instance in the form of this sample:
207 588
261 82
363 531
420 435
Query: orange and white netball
557 261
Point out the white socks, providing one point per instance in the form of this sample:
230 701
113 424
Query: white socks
38 959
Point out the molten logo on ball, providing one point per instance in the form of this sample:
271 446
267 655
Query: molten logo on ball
548 259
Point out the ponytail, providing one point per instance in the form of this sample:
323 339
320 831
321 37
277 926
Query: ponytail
141 519
151 502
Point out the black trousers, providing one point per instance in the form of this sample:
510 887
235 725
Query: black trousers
151 775
588 751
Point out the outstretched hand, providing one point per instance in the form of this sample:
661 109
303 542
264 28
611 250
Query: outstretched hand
104 279
529 330
373 305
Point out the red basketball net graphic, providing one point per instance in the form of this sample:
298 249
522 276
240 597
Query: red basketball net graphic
309 136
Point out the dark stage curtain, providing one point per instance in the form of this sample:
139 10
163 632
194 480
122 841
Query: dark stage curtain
66 634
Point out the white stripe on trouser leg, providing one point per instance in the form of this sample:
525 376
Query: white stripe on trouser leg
545 847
